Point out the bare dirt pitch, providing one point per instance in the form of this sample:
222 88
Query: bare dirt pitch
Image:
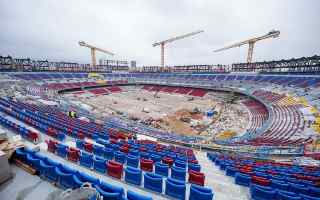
178 113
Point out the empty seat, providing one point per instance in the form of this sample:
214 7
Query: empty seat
80 144
99 164
146 165
135 196
178 173
175 188
88 147
62 150
110 192
194 167
242 179
200 193
196 177
180 163
285 195
168 161
86 159
98 150
231 171
52 145
161 169
65 179
108 153
120 157
133 175
114 169
73 154
132 161
262 193
155 158
153 182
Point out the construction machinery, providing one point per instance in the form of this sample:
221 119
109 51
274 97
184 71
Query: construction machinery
93 51
162 43
251 42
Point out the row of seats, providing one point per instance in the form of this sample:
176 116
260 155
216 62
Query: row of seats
178 90
66 177
269 180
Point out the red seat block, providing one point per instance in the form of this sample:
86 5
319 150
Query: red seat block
52 145
146 165
260 180
196 177
34 137
124 149
168 161
114 169
88 147
73 154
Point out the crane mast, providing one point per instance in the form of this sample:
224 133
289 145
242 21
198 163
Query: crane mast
164 42
251 42
93 51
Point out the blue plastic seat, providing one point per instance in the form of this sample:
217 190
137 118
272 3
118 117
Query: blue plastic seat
200 193
133 152
21 154
314 191
108 153
80 144
86 159
135 196
34 161
61 150
120 157
307 197
285 195
175 188
153 182
231 171
194 167
162 169
98 150
132 161
178 173
65 180
298 188
110 192
155 158
242 179
83 177
179 163
133 175
279 185
144 155
262 193
100 164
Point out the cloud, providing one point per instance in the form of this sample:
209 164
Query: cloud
51 29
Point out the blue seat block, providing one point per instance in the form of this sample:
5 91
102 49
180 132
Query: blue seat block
175 188
86 159
242 179
178 173
65 180
162 169
194 167
135 196
83 177
155 158
80 144
100 164
132 161
120 157
231 171
200 193
153 182
307 197
279 185
262 193
284 195
108 153
110 192
61 150
133 175
181 164
98 150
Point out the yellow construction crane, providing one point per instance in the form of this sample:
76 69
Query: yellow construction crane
251 42
93 51
162 43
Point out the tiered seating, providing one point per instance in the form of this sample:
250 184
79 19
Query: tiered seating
114 89
198 92
259 114
271 180
66 178
99 91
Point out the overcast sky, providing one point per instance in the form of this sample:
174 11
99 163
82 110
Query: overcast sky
51 29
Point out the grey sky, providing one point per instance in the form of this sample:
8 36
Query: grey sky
50 29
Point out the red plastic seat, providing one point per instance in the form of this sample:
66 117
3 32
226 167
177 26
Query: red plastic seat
114 169
260 180
196 177
124 149
88 147
168 161
34 137
52 145
80 136
73 154
146 165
